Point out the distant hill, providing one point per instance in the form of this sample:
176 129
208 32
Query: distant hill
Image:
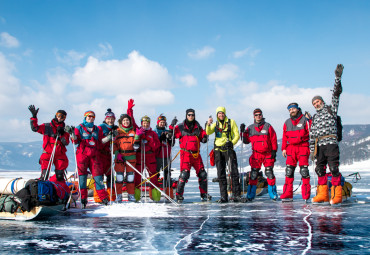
355 147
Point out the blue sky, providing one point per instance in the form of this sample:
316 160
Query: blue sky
173 55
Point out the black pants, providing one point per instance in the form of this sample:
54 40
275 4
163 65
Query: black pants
327 155
167 171
221 158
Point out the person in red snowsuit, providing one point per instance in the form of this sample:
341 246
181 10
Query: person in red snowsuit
105 155
145 154
295 148
54 139
264 145
190 133
88 138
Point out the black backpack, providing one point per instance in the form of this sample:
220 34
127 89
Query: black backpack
338 121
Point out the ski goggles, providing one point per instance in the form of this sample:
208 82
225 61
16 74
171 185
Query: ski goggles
145 118
162 118
90 114
60 115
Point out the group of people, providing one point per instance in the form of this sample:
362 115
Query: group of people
136 149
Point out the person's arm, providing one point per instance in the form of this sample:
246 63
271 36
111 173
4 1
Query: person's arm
130 112
284 139
246 139
234 132
273 138
337 89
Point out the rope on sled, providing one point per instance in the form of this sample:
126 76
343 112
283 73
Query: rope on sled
189 236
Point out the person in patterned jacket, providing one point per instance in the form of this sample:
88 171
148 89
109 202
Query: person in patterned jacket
324 144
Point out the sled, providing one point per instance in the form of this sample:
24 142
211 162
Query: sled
37 213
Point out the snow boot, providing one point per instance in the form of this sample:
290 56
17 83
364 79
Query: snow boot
119 198
306 189
131 198
272 192
287 190
111 194
179 198
105 201
239 199
83 203
336 195
169 192
322 195
154 194
205 197
251 192
137 194
222 200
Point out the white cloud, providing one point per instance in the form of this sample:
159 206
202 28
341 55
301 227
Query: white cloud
70 57
203 53
126 76
224 73
8 41
246 52
105 50
189 80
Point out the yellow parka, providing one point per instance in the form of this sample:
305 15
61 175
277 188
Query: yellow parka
222 130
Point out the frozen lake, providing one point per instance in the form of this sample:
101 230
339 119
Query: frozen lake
262 226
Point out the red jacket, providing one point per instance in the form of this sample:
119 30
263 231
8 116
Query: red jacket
189 139
88 142
150 138
49 132
296 132
262 136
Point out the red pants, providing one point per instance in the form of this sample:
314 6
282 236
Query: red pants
187 161
297 153
257 159
106 163
150 163
84 162
60 161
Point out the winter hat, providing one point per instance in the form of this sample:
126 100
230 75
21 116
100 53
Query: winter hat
61 113
160 118
292 105
87 113
317 97
109 113
145 118
190 110
257 110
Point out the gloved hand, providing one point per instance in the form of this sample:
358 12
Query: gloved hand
60 131
130 104
273 154
140 132
339 70
33 110
113 132
136 145
69 129
169 135
120 158
162 137
205 139
174 122
242 128
229 145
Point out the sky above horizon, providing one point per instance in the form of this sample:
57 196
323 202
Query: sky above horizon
173 55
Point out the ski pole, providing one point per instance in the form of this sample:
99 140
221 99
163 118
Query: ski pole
51 160
111 171
168 171
164 179
210 116
164 194
78 175
241 163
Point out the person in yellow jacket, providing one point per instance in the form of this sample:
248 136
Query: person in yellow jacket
226 136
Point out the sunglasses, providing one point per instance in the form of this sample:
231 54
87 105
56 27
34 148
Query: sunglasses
256 115
91 116
191 115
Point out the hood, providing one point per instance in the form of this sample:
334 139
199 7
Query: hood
220 109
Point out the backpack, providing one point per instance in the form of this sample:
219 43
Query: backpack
8 204
338 121
45 192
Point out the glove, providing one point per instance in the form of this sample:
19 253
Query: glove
69 129
205 139
273 154
242 128
130 104
140 132
229 145
33 110
106 139
339 70
60 131
174 122
169 135
120 158
163 136
136 145
113 132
